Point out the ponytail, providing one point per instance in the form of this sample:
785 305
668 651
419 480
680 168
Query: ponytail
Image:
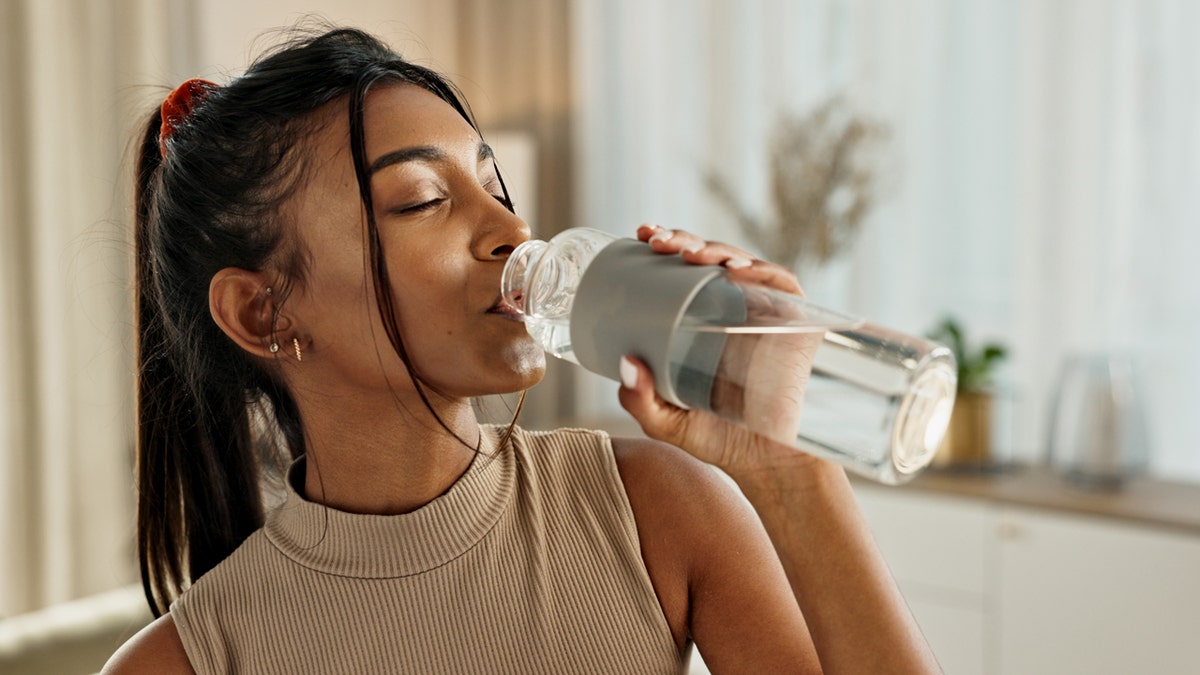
197 473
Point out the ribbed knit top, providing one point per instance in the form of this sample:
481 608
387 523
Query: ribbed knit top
529 563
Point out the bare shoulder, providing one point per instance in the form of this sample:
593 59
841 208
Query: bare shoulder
666 481
684 511
717 576
155 649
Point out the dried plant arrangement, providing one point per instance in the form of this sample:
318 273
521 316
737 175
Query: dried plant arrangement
822 185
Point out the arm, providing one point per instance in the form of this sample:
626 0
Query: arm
716 575
156 649
855 612
856 616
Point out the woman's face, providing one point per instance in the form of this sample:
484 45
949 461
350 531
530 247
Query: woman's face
445 233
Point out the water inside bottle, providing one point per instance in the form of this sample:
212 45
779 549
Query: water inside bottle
874 400
553 335
862 396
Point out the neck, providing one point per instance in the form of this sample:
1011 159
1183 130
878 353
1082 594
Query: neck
389 459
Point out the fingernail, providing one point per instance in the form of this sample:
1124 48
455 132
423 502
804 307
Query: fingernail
693 247
737 263
661 236
629 373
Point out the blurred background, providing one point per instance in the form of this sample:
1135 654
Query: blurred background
1029 169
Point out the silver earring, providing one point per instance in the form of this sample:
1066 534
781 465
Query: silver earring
296 344
274 347
269 291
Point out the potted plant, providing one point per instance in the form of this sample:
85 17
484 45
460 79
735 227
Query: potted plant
968 441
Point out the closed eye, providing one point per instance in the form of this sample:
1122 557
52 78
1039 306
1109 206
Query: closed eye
504 200
423 206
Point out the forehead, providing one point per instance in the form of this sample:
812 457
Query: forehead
405 115
395 116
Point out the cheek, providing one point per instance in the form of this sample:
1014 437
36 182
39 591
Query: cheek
430 320
428 280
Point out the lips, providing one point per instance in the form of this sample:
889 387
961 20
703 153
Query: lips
507 309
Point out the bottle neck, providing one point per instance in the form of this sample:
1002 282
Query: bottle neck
515 278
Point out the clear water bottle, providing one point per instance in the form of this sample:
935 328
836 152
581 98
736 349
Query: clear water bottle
872 399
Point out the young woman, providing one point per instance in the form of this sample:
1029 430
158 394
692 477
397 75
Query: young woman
319 246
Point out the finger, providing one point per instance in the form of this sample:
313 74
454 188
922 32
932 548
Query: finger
742 265
647 230
764 273
694 248
663 240
659 419
716 253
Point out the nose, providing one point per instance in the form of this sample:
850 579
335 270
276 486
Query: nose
503 231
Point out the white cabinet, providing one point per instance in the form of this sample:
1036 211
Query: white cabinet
1001 589
1082 595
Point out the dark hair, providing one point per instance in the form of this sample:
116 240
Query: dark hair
210 418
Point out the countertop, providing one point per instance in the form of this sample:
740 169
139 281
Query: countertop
1139 500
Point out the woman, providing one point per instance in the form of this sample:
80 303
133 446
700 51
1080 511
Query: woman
319 247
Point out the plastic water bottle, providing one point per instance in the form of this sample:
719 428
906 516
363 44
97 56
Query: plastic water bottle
872 399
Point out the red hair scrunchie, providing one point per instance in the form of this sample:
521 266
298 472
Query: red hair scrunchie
178 105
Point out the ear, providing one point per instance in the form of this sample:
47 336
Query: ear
242 305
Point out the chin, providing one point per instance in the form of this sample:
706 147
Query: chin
523 356
517 370
530 368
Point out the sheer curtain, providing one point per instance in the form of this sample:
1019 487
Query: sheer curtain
69 67
1041 171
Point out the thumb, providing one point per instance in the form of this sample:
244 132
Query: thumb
659 419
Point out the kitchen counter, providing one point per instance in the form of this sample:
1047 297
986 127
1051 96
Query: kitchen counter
1142 500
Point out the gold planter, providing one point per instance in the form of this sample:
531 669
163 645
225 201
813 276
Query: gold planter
968 441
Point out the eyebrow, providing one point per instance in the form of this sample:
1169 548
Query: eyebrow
423 153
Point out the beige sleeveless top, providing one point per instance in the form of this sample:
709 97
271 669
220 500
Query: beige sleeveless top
530 563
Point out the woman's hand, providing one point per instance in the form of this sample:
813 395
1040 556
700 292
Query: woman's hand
776 365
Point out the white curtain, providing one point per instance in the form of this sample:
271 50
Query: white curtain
1042 172
69 70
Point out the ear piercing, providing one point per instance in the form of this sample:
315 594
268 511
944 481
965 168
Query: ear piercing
274 345
295 341
295 344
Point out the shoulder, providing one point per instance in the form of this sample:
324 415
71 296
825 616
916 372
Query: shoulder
692 523
559 441
157 648
228 577
718 577
574 457
679 496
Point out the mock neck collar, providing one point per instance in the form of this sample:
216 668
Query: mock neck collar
378 547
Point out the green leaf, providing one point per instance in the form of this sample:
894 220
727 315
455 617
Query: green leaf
994 352
974 367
